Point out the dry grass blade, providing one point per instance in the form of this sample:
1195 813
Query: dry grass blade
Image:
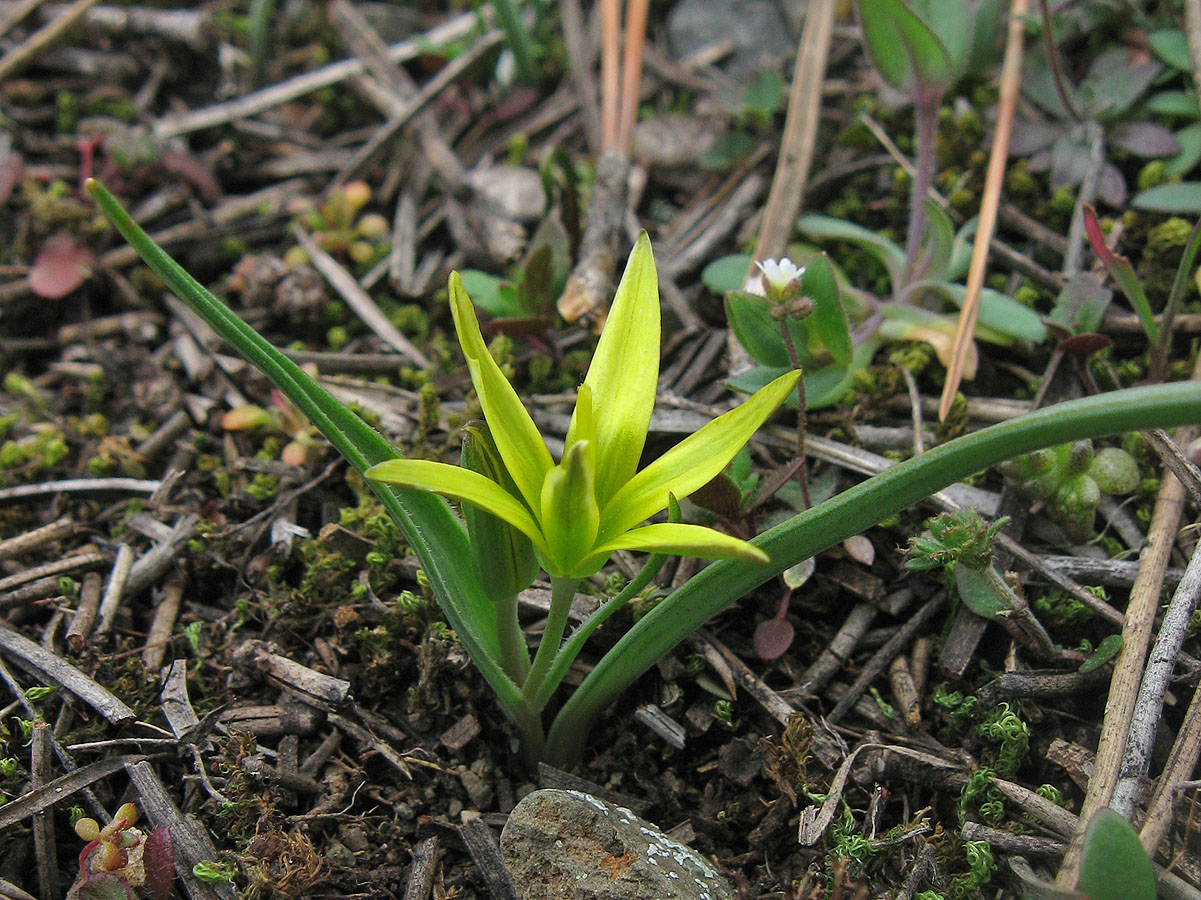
800 132
610 67
1011 74
631 73
21 55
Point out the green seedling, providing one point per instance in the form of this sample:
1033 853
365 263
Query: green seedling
960 543
121 862
1070 478
559 506
1177 105
339 230
283 418
1098 110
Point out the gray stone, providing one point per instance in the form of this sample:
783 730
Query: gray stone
567 845
760 35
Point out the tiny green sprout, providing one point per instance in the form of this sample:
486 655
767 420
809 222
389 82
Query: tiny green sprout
40 692
9 768
213 872
120 857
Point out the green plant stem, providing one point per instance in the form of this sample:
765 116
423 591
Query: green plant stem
802 415
518 39
562 592
514 655
576 640
719 585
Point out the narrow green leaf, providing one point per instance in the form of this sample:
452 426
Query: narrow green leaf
758 331
624 372
1171 46
829 318
1188 139
684 540
827 228
437 539
516 436
717 586
692 462
459 484
727 273
1114 865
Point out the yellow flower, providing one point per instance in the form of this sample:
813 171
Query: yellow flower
578 511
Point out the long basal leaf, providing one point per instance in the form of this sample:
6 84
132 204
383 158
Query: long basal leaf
428 525
720 585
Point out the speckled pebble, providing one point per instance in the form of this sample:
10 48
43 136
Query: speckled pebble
567 845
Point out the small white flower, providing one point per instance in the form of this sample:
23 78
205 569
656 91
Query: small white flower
780 278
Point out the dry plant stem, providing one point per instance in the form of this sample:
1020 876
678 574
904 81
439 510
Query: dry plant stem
835 656
22 543
19 12
115 589
79 486
994 179
158 636
251 105
610 77
575 42
1149 706
85 613
591 280
359 300
45 848
1128 669
20 55
802 473
1181 762
631 73
1192 32
800 132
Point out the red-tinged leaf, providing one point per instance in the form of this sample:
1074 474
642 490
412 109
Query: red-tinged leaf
158 860
773 637
100 886
62 265
249 416
1096 237
194 171
1084 345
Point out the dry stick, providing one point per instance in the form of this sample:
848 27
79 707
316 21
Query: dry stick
885 655
610 90
1011 74
359 300
43 38
115 589
19 12
85 613
250 105
839 650
800 132
163 623
1149 706
579 58
631 73
75 563
1181 762
45 848
15 546
1128 668
79 486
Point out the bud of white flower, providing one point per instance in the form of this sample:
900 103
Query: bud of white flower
781 279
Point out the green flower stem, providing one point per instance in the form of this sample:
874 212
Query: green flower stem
575 642
436 537
562 592
849 513
514 655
